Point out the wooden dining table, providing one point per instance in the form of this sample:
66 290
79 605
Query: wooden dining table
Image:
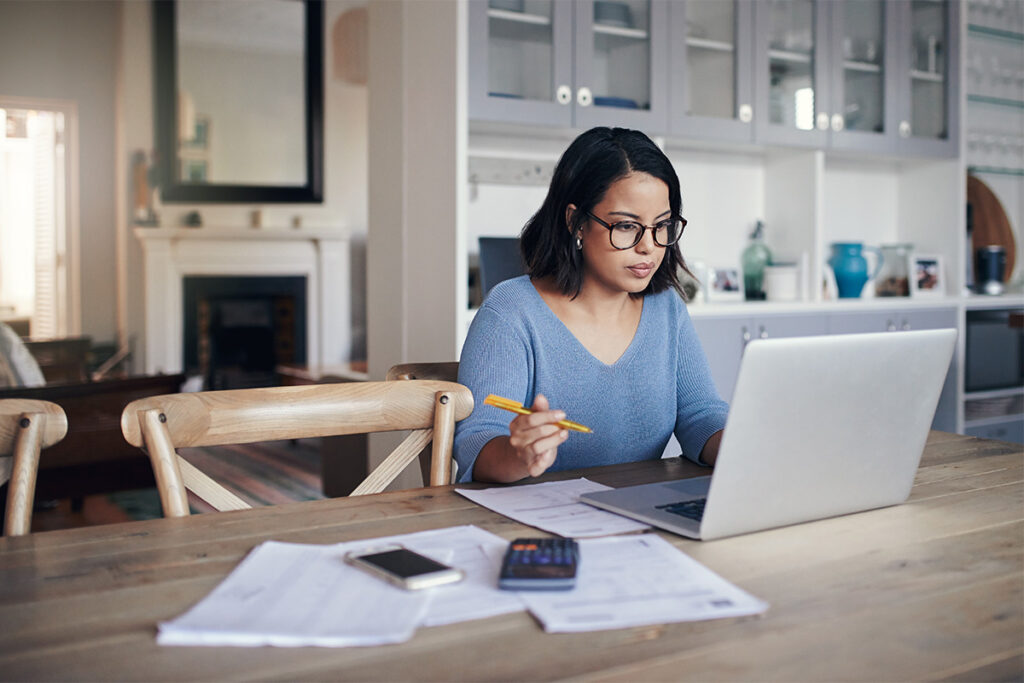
930 589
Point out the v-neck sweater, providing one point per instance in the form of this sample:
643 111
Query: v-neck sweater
517 348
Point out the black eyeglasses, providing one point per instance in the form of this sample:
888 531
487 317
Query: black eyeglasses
627 234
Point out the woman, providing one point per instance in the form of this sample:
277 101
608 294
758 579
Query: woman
596 331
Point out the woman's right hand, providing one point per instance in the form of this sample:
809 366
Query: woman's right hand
534 439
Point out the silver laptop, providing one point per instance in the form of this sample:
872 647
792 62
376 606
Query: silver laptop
818 427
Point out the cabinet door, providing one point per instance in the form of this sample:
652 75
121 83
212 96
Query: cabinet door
621 64
710 77
928 77
791 75
723 340
520 61
859 323
863 81
783 326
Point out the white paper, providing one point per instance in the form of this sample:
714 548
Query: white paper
554 506
637 581
479 554
292 595
287 594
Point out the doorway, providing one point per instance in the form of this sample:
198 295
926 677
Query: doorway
38 219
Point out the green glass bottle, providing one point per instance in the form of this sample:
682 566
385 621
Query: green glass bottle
755 257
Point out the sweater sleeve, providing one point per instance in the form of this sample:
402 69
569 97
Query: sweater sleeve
495 360
700 412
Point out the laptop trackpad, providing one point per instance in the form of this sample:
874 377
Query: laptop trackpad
696 487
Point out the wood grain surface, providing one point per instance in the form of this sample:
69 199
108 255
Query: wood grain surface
991 225
931 589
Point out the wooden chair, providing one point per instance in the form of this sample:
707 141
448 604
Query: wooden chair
26 427
160 424
444 372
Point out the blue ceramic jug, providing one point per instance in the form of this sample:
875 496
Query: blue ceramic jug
851 268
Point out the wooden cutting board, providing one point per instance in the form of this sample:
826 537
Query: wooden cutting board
991 225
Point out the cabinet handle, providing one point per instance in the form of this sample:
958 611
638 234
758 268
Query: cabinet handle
822 121
762 333
837 122
905 326
746 113
563 94
746 336
904 129
584 97
890 326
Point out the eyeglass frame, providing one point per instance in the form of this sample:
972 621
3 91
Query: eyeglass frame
643 229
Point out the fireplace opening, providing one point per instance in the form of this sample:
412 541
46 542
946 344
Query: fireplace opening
239 329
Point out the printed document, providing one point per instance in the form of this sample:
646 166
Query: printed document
637 581
554 506
292 595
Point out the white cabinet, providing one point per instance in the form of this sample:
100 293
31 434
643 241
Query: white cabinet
725 337
724 340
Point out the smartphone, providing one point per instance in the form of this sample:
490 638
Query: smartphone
403 567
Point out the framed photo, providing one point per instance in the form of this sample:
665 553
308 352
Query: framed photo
194 170
927 276
725 283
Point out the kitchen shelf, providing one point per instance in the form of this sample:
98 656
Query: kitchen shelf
620 32
927 76
998 101
995 170
978 30
705 44
866 67
986 421
792 57
519 17
994 393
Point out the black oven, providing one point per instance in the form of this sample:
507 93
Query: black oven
994 349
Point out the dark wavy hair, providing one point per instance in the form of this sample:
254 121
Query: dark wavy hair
595 160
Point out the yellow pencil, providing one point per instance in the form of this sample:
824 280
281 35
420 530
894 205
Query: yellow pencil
516 407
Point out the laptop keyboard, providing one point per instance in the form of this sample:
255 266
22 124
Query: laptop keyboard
691 509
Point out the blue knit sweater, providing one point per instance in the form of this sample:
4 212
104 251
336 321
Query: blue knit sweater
517 347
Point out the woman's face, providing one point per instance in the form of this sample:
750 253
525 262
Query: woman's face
638 197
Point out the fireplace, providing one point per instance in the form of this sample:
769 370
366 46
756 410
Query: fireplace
317 257
239 329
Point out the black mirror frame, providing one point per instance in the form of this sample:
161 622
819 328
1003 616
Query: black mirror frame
165 53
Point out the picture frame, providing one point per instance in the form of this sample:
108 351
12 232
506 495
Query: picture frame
927 276
724 283
194 170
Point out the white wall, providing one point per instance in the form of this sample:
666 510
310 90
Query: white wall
68 51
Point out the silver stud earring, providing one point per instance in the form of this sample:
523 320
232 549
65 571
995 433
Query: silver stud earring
579 243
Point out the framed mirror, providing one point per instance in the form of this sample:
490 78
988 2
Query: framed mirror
239 100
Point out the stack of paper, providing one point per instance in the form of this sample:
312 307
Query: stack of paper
287 594
554 506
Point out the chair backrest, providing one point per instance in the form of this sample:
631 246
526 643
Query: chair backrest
212 418
26 427
444 372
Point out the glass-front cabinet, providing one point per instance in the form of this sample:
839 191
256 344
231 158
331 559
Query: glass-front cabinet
710 79
562 63
929 118
863 108
868 75
520 66
791 76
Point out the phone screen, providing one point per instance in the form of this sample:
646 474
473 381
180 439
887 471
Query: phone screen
403 563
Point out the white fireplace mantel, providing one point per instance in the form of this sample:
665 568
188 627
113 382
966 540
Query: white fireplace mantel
171 254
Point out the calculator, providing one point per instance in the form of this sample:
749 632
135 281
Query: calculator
540 564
